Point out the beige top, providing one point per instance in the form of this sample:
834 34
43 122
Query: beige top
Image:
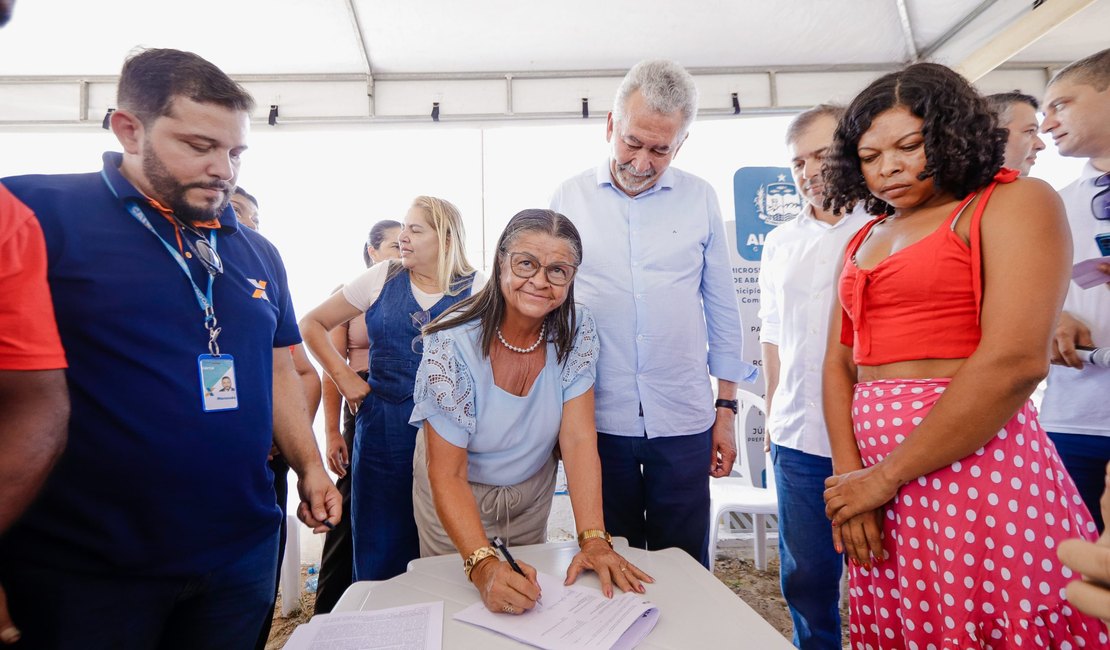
358 344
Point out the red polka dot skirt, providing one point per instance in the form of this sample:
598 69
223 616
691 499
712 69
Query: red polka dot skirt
971 548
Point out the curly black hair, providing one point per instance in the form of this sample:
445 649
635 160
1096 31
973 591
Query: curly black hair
963 143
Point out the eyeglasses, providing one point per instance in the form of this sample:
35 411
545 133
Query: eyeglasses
419 320
1100 202
524 265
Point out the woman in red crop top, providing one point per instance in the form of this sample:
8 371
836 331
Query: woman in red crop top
948 498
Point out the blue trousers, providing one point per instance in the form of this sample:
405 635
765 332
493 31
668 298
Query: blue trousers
222 609
1085 458
383 529
810 566
655 491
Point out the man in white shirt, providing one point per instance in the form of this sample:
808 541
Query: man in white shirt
797 282
1076 411
656 274
1017 113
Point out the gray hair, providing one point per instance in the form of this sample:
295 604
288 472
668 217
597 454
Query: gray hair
806 118
666 87
1093 71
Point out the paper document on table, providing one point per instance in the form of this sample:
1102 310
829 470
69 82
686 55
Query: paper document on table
572 618
412 627
1086 273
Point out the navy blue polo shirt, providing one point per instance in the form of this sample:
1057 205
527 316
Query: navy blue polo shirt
149 483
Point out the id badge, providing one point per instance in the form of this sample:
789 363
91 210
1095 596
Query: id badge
218 388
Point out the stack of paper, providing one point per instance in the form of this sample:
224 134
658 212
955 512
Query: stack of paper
572 618
413 627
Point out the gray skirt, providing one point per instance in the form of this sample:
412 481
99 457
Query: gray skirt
516 513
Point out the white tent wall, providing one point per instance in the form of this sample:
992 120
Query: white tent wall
351 99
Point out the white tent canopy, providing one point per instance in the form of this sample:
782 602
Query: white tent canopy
376 61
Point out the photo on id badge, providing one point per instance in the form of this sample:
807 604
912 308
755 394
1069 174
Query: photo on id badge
217 382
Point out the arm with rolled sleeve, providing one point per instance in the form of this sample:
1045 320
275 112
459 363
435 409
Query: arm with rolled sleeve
725 336
722 314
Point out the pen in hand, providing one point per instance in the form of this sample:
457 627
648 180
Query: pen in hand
499 544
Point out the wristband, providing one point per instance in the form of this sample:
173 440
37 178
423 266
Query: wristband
728 404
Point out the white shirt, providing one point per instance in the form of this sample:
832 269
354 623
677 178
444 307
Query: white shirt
1076 400
363 291
797 287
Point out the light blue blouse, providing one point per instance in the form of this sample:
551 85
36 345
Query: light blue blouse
507 437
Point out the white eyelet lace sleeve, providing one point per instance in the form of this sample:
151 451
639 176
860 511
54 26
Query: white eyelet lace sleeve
580 368
444 390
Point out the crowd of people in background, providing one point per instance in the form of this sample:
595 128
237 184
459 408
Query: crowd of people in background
155 392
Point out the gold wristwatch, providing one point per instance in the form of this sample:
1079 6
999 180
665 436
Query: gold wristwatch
476 557
595 533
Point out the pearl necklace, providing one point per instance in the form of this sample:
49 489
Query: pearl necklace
522 350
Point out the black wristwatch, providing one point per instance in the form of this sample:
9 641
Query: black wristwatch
728 404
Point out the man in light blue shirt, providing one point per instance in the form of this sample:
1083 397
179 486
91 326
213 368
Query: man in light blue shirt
657 275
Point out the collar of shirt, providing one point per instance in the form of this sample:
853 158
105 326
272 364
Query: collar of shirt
126 191
605 177
807 216
1090 173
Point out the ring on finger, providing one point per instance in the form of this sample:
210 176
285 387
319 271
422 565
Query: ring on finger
508 609
624 568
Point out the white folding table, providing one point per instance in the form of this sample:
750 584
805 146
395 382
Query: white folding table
695 609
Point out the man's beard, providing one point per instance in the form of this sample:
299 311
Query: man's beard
631 181
171 193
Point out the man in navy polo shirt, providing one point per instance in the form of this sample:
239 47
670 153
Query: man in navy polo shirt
158 528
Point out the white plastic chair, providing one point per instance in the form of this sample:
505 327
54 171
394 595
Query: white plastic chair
730 494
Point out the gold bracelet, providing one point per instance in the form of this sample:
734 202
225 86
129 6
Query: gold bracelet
477 556
595 533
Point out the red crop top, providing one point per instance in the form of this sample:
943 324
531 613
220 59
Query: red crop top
921 302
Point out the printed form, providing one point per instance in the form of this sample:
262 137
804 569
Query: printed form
572 618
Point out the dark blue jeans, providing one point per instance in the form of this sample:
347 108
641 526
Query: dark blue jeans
383 528
655 491
810 566
1085 458
222 609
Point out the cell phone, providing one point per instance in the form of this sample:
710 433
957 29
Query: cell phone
1103 241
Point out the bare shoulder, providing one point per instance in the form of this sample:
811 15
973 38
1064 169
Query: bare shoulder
1025 196
1026 205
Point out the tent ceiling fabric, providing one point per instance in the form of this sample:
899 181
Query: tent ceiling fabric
366 61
